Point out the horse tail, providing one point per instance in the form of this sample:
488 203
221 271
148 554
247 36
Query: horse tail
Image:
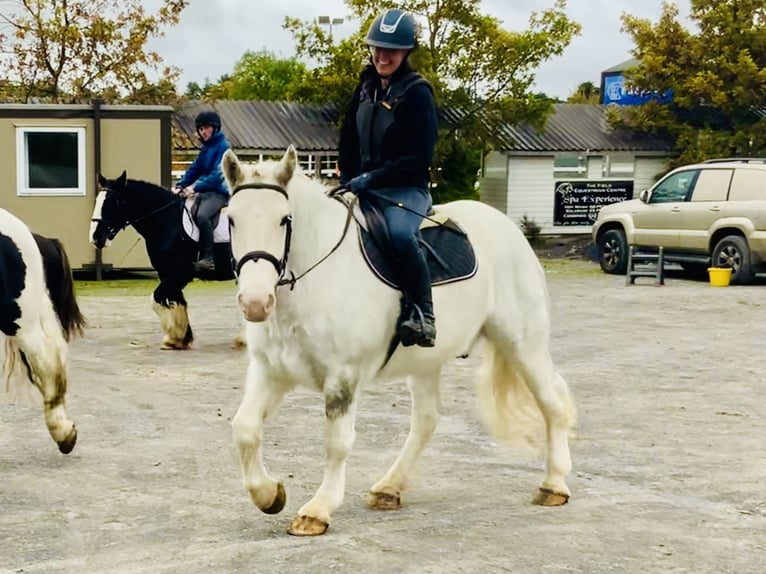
507 405
60 283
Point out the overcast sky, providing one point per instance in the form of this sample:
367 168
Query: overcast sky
213 34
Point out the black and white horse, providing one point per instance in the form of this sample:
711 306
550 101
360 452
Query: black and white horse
157 214
38 315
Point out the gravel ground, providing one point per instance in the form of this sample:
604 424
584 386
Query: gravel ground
669 461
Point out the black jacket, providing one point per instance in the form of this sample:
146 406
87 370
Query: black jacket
408 143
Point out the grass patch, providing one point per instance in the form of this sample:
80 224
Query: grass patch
570 267
141 285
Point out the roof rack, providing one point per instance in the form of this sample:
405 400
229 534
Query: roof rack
736 160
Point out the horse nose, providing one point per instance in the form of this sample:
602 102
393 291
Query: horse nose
256 309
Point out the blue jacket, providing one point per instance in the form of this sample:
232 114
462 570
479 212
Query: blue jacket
205 173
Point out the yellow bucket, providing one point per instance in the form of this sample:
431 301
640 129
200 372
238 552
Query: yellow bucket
719 276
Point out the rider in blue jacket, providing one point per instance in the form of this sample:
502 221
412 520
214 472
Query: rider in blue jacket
386 147
204 177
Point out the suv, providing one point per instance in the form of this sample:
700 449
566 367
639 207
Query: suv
701 214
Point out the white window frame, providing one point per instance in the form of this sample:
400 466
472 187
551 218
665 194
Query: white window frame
579 171
612 164
22 163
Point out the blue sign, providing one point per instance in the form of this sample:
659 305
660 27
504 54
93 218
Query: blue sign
616 92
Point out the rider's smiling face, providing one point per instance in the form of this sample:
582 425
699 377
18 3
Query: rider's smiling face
387 60
205 132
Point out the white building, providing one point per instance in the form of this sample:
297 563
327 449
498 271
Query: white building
560 178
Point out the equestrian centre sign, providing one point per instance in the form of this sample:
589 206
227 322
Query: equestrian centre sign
578 202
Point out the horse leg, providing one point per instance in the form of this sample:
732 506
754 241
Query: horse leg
340 410
260 399
174 319
45 356
426 403
553 398
520 380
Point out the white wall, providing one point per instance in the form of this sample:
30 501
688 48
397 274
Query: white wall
531 187
530 190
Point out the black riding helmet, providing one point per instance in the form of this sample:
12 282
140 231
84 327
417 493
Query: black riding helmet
207 118
393 29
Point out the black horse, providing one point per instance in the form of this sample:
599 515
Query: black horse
156 214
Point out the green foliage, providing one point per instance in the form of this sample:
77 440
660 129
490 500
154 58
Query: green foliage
475 65
717 75
263 76
532 231
586 93
458 164
78 49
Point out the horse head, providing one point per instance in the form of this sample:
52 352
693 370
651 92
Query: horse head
110 215
261 228
122 202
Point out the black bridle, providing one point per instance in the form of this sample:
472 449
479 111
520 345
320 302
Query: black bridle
281 264
114 228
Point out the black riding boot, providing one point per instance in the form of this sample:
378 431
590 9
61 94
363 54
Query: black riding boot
419 329
206 261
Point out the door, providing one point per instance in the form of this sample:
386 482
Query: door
706 205
657 222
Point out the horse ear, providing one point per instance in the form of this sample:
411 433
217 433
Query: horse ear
287 166
122 180
231 168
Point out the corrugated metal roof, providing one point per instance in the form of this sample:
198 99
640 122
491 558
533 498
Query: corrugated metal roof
273 126
263 126
577 127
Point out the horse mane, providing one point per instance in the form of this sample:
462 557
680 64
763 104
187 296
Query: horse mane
141 186
58 279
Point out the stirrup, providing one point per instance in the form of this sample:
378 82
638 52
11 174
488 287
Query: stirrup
206 264
415 330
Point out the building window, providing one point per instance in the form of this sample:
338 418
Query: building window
50 161
618 166
569 166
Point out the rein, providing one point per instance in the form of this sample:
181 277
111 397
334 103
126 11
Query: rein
281 264
138 219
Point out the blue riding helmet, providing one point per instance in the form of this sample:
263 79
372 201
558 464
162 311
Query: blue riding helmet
393 29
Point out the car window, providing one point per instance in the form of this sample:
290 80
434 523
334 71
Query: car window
712 185
748 184
675 187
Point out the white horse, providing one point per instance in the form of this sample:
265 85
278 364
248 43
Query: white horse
331 329
38 314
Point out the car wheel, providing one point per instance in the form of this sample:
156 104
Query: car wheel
733 251
613 252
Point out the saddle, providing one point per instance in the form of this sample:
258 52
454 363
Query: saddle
189 219
447 249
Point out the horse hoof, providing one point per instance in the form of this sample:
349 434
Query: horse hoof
66 445
546 497
307 526
279 501
384 500
174 347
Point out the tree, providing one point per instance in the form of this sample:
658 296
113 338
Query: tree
77 49
263 76
478 68
717 77
586 93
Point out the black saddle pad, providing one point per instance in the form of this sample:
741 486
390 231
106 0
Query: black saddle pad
448 251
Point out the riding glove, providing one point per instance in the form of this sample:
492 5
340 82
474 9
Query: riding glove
359 184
